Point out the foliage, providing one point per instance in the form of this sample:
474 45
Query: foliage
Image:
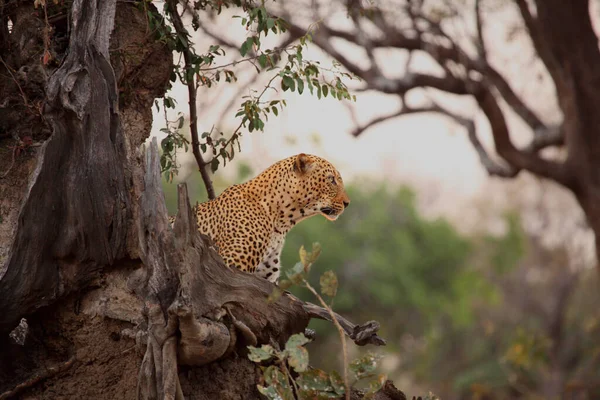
285 65
419 276
173 140
310 383
386 254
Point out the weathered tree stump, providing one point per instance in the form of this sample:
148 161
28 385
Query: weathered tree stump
118 303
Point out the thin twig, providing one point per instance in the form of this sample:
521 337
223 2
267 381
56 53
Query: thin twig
249 59
235 134
15 80
192 93
287 373
479 23
340 331
285 45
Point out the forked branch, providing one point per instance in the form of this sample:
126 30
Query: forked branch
465 74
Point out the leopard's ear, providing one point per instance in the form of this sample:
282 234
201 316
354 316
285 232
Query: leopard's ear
303 164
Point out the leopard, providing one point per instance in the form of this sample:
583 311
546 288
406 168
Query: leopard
248 222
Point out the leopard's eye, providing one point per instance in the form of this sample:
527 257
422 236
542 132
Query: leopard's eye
332 179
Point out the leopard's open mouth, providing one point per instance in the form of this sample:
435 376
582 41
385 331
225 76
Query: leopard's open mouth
329 213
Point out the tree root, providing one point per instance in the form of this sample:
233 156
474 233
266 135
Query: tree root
49 372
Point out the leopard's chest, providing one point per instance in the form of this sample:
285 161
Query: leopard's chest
270 266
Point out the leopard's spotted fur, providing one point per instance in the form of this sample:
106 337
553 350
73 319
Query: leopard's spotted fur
248 222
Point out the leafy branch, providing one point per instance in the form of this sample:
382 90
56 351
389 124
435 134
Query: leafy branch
188 56
311 383
200 70
329 285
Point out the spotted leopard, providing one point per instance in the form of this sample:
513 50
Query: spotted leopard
248 222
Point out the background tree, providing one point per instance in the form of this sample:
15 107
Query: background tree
453 39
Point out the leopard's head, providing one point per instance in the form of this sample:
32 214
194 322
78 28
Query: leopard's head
318 187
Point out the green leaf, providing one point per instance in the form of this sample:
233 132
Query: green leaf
299 55
183 41
262 13
298 359
316 380
300 85
329 283
278 381
337 382
289 82
296 340
364 366
246 46
275 111
262 60
325 90
214 165
377 384
296 273
258 354
269 392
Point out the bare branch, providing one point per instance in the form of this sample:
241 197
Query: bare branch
218 38
415 80
547 137
493 168
531 162
443 55
539 43
479 24
322 41
513 100
448 53
403 111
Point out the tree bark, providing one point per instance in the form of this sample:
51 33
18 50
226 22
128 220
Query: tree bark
573 44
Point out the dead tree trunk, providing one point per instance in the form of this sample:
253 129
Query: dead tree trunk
117 303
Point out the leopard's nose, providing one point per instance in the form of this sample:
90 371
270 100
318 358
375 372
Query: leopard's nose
346 203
